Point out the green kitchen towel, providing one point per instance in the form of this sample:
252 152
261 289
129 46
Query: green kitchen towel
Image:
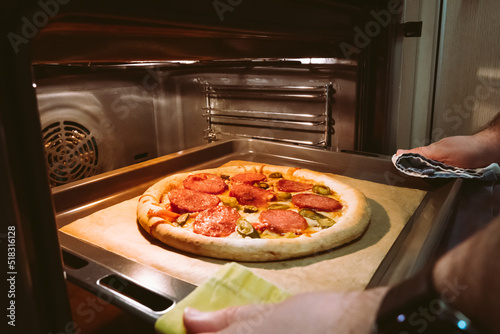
232 285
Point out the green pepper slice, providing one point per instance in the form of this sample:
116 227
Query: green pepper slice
322 220
326 222
250 209
307 213
283 196
263 185
246 229
182 219
278 206
229 201
321 190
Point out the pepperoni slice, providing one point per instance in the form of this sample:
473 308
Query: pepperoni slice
316 202
219 221
281 221
186 200
248 178
293 186
250 195
206 183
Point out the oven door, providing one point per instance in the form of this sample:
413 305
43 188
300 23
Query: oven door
92 33
108 253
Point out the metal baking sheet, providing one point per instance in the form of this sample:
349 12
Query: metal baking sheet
412 249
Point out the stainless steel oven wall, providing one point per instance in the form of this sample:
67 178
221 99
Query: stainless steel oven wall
95 122
253 99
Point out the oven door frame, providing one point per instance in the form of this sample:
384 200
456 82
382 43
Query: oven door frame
23 173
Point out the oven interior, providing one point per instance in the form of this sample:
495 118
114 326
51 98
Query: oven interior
116 85
114 116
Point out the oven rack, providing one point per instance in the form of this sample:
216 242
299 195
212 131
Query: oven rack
290 114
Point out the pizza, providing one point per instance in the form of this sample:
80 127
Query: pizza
253 212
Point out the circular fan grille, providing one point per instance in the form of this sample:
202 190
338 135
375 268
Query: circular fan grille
71 152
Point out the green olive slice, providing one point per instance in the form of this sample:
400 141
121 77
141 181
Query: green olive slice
276 175
321 190
246 229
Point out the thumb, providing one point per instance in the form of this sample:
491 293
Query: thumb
197 321
202 322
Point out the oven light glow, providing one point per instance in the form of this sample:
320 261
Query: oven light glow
159 63
321 61
185 61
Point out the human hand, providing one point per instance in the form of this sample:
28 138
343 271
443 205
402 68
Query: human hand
352 312
474 151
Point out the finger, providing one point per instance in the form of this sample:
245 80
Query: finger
207 322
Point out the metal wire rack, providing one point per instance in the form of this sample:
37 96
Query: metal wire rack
292 114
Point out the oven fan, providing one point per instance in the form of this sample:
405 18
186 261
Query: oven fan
71 152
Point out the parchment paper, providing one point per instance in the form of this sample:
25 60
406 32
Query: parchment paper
345 268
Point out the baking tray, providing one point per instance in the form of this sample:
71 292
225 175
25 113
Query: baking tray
150 293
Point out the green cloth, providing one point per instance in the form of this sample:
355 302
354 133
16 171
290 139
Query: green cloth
232 285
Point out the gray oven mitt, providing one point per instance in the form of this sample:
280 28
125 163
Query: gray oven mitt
417 165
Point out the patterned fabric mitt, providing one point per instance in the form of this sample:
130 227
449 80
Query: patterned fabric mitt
417 165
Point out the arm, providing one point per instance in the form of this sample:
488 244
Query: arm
467 277
475 151
315 312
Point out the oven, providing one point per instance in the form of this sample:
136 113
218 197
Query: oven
100 99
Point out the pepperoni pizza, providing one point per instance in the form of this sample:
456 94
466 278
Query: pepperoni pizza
253 212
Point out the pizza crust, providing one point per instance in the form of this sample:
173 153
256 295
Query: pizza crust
348 227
